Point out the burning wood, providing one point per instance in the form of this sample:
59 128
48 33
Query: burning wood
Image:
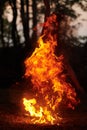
48 79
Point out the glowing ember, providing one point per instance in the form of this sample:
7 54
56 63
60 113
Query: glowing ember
48 79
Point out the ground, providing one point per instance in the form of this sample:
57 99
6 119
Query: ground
12 116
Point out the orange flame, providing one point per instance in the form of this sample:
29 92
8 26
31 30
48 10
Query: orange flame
48 79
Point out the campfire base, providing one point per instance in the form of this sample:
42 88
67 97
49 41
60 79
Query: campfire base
15 122
13 118
18 121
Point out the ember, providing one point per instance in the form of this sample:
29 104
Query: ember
48 79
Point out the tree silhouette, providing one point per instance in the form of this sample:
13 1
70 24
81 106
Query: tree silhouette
15 36
1 23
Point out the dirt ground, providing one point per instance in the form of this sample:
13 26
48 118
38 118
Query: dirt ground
12 116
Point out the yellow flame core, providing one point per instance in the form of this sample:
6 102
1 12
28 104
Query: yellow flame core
40 114
48 79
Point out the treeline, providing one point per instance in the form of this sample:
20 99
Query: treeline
19 18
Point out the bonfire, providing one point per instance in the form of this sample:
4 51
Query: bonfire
50 87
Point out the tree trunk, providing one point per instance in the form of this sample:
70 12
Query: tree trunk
25 23
34 8
27 16
47 11
1 24
15 36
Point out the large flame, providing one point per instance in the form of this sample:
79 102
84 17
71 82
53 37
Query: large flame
48 79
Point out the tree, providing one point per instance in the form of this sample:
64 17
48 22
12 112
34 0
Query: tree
62 8
34 20
25 21
66 14
47 10
1 23
15 36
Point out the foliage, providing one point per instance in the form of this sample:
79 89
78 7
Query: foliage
66 15
30 13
